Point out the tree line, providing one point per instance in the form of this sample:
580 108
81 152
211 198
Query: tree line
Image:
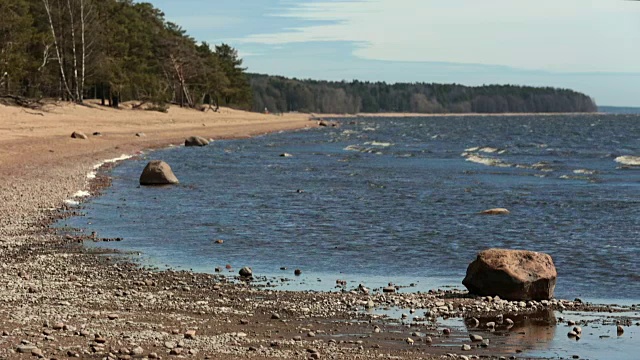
116 50
280 94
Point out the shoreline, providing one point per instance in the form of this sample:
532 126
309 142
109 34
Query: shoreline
64 300
319 116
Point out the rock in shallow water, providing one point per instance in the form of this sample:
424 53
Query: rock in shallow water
196 141
512 275
158 172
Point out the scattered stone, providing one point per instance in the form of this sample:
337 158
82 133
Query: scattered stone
190 334
79 135
297 272
409 341
389 289
26 349
112 316
275 316
620 330
475 338
137 351
446 331
141 134
466 347
577 329
286 155
158 172
512 275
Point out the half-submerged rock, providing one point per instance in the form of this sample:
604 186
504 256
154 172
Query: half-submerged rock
496 211
512 275
158 172
196 141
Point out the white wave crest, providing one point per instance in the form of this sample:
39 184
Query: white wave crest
381 144
487 161
628 160
584 172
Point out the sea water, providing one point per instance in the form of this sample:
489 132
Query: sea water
381 200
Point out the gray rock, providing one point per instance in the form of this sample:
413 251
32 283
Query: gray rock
475 338
158 172
246 272
79 135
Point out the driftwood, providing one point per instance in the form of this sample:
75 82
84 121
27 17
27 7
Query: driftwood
12 100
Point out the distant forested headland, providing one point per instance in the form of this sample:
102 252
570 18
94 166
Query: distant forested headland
281 94
117 50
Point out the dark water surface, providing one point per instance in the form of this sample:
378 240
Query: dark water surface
394 200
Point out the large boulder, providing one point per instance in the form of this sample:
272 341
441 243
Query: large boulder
158 172
512 274
196 141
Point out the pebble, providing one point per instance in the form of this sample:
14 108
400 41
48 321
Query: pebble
409 341
112 316
620 330
26 349
190 334
475 338
466 347
446 331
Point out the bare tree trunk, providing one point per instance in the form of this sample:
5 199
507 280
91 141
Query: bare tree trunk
83 18
183 84
76 83
63 77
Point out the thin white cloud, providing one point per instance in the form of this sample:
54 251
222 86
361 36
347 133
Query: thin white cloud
558 35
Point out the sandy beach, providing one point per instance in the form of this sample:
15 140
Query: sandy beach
61 300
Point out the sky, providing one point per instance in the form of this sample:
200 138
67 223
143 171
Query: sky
592 46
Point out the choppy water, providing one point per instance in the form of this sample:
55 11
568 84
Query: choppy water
394 200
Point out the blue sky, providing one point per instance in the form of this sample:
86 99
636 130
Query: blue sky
591 46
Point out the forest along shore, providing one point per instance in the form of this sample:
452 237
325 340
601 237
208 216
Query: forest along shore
61 300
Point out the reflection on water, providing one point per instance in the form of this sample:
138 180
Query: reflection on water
528 332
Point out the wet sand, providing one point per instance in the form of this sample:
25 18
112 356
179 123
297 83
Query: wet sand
63 300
